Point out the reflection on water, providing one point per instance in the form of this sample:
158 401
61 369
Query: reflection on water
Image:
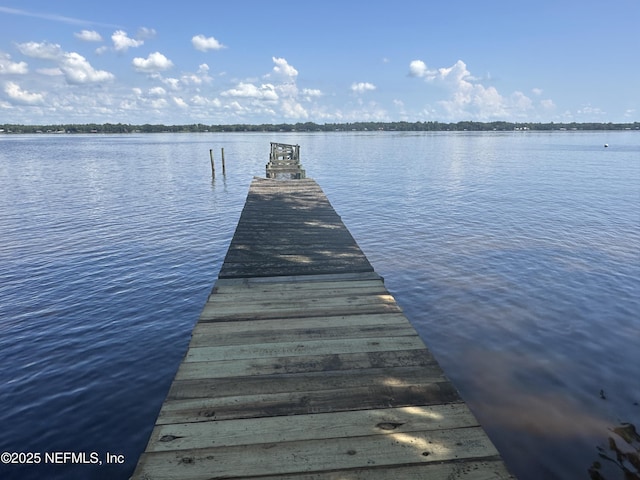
621 457
515 256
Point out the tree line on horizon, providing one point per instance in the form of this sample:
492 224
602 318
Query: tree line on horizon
313 127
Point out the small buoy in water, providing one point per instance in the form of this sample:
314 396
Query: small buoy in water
606 145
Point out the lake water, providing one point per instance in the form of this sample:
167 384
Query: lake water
515 255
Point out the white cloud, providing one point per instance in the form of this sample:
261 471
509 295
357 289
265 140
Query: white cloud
122 42
236 107
89 36
293 109
199 100
159 103
454 75
310 94
155 62
44 50
248 90
77 69
362 87
417 68
369 112
16 93
280 96
591 111
180 102
520 101
468 98
204 44
50 72
172 83
536 91
283 68
197 78
8 67
157 91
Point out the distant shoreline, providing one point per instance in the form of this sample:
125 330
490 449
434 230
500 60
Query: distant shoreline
313 127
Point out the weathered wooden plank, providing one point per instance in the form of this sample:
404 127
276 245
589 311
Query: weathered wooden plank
299 292
282 300
223 287
308 364
326 306
219 315
294 258
199 402
486 469
291 231
310 217
269 332
205 329
213 384
309 280
290 428
315 233
237 270
294 457
303 348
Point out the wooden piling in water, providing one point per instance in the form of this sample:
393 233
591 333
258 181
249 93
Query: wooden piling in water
213 167
224 170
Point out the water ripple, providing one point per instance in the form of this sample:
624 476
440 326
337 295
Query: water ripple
517 258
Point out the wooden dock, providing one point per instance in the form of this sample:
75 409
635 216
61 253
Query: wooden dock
284 162
302 366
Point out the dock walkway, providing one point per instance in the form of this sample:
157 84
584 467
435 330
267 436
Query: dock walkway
303 367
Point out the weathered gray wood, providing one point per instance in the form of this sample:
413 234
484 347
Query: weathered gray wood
284 158
242 302
303 348
295 302
291 428
197 401
270 333
211 314
307 364
298 213
489 469
204 330
339 453
303 366
295 280
290 284
283 292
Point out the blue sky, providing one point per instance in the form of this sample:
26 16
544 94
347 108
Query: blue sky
222 62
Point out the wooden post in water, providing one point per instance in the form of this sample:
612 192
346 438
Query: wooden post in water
213 167
224 172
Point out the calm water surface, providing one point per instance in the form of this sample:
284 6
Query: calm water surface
515 255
